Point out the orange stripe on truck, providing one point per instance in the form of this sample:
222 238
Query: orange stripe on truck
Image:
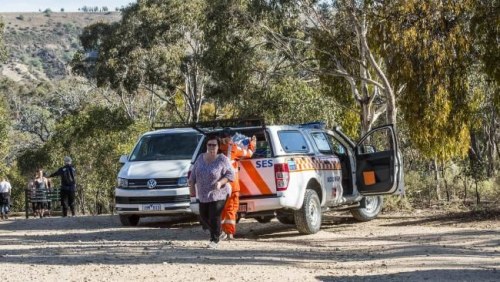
244 189
255 176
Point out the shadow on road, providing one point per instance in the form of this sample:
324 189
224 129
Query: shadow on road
421 275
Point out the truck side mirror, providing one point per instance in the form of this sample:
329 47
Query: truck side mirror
123 159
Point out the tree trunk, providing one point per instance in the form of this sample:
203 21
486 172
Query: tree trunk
443 174
478 200
492 146
438 180
465 190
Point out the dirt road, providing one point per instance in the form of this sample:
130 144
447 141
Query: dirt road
410 247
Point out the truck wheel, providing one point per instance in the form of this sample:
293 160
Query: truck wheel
264 219
129 220
308 218
373 207
286 218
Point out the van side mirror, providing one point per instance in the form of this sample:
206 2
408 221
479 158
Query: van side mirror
123 159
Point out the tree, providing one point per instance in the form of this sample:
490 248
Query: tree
3 50
337 33
155 49
428 47
4 136
249 76
106 134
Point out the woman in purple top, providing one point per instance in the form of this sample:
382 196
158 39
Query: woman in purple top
211 173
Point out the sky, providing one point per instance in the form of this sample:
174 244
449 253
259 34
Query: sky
56 5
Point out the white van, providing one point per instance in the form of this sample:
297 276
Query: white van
153 179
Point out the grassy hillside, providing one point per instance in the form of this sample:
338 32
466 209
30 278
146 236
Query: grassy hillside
40 45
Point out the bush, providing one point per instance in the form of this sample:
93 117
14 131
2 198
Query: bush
397 203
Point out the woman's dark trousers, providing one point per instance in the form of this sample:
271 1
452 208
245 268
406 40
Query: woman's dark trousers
210 217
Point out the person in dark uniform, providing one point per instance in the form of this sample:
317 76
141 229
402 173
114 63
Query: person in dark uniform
68 186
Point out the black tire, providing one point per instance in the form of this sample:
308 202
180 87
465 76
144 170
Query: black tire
286 218
308 218
373 207
129 220
264 219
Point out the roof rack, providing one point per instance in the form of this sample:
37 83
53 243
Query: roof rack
206 127
314 124
166 124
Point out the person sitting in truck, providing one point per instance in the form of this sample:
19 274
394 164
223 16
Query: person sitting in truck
234 152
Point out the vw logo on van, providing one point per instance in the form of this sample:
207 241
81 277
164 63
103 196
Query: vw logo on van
151 183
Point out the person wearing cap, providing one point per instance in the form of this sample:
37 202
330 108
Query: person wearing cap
68 186
234 152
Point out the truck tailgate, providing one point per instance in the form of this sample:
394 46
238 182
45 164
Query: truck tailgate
257 178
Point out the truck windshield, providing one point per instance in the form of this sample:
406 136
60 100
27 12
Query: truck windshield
178 146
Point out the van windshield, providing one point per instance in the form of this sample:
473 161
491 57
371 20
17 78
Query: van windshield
177 146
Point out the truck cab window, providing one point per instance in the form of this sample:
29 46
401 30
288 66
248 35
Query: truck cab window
293 141
321 142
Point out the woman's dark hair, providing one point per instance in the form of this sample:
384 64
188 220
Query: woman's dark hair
214 137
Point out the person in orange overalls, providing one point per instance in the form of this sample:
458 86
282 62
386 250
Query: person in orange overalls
234 152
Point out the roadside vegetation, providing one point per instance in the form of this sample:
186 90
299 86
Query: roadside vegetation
88 84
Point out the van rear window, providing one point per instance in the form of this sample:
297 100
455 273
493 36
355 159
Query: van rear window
292 141
178 146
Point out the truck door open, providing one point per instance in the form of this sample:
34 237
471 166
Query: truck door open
377 162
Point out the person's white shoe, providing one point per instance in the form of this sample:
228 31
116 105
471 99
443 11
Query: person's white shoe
223 236
212 245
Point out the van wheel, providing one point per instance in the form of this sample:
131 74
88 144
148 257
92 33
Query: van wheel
264 219
286 218
129 220
308 218
373 206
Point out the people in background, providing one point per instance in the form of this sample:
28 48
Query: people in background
211 174
5 192
68 186
49 186
41 189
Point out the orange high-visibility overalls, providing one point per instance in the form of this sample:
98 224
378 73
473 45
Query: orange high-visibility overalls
234 153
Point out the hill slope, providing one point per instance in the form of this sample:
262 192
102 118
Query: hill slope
40 45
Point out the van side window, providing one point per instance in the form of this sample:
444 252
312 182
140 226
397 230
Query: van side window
321 142
293 141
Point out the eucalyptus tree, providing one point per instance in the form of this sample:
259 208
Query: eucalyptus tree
337 32
156 49
486 32
249 75
428 46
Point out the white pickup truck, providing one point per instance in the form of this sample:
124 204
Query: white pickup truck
299 171
153 179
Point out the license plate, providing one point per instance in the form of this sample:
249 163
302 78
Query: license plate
242 208
151 207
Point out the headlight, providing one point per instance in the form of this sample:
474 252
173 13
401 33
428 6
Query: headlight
182 181
122 183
